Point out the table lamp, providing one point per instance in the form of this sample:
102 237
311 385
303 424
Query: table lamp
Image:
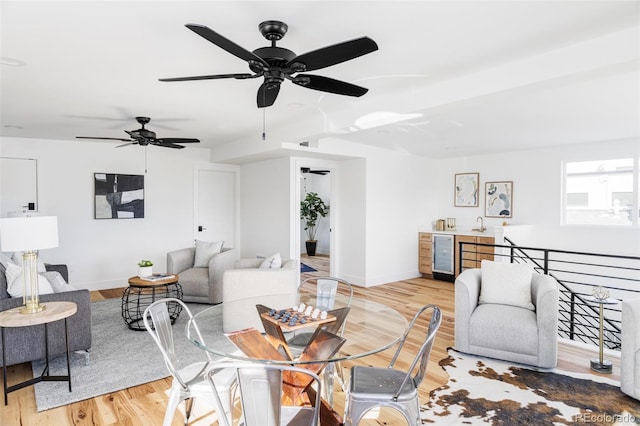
28 235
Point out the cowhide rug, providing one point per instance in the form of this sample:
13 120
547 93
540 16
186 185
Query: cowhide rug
488 391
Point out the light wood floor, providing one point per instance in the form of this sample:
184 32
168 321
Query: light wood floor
145 404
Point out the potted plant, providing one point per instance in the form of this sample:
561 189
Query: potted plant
312 208
145 268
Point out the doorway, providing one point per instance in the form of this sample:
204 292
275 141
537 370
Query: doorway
318 177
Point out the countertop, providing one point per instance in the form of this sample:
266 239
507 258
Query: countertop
489 232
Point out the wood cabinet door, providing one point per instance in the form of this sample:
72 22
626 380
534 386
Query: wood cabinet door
485 253
469 255
424 253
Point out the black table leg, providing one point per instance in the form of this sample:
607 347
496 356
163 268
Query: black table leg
4 367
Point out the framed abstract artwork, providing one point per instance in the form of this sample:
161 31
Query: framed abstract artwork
118 196
498 199
467 190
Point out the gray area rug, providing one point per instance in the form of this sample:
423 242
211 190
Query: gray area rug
119 358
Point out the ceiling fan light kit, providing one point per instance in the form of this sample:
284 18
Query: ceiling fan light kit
276 64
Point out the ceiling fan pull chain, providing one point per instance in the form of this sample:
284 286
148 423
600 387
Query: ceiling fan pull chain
145 159
264 119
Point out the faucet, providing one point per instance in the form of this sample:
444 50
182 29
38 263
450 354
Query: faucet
482 228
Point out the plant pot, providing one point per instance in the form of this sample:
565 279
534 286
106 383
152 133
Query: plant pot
145 271
311 247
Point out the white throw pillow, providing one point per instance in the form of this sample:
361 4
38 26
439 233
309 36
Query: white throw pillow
17 259
506 284
15 287
58 284
272 262
204 251
5 258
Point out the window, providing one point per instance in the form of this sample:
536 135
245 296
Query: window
603 192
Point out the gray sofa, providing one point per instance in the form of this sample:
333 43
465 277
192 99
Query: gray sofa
26 344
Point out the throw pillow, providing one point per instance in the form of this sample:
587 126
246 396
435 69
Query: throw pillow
272 262
15 287
506 284
5 258
17 259
58 284
204 251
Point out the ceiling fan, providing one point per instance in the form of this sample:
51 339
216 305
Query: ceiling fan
145 137
317 172
276 64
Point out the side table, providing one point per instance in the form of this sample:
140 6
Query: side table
141 293
600 364
54 311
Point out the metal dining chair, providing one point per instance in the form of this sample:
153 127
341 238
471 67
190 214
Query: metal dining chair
261 388
372 387
189 380
326 292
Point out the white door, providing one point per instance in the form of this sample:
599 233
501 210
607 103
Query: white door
216 203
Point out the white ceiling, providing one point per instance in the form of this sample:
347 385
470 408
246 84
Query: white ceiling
482 75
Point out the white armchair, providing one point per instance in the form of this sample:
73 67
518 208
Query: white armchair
630 353
504 331
200 285
247 285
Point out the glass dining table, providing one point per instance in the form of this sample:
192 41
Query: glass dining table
368 328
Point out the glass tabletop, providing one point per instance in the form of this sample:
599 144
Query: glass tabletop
369 327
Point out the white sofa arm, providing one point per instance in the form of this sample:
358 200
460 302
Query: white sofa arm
545 295
248 263
243 289
467 293
180 260
219 263
630 352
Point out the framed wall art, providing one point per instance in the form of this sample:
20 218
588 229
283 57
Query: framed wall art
498 199
118 196
467 190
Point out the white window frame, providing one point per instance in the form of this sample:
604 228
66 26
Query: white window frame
635 220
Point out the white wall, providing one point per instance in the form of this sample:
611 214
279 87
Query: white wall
383 199
103 253
265 205
537 197
399 192
350 225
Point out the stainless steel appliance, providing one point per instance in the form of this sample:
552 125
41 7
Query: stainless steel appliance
442 257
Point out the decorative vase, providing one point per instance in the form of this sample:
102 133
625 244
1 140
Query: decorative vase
145 271
311 247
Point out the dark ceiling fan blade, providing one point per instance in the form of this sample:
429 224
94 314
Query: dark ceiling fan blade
127 144
225 44
211 77
177 140
135 135
267 96
107 139
167 145
335 54
326 84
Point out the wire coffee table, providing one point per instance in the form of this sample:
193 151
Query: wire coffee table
141 293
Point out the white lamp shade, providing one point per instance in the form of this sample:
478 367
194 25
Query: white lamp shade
28 233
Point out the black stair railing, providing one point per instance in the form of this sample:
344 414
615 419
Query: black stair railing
577 273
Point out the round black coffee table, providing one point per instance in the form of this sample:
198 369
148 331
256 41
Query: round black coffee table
143 292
